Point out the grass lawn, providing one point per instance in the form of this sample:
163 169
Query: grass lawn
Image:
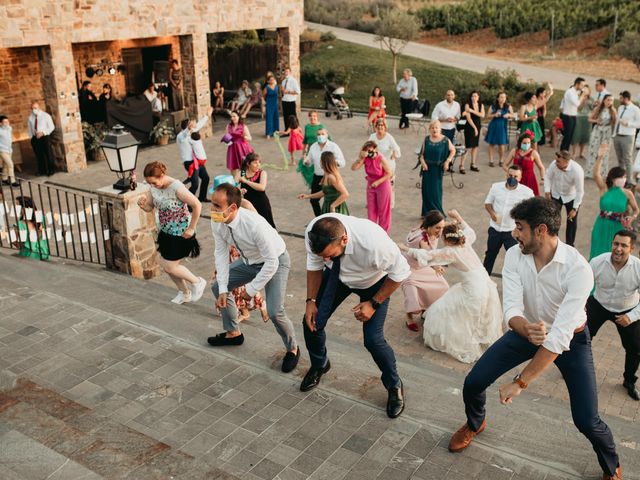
372 66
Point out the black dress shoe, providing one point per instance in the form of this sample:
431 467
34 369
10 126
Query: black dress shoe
632 390
395 404
221 340
313 376
290 361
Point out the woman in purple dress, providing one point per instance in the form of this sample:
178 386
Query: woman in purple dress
239 147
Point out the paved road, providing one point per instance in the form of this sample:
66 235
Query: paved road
474 63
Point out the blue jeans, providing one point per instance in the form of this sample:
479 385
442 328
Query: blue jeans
450 133
373 329
240 274
576 367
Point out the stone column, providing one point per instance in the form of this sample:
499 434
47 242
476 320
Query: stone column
288 47
60 94
131 247
195 67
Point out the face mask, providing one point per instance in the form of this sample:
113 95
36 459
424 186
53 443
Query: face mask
512 181
620 182
322 139
525 146
35 111
218 217
371 154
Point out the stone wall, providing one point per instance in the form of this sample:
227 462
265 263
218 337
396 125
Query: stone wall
61 24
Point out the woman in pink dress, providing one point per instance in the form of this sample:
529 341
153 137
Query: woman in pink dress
378 184
239 148
526 157
425 285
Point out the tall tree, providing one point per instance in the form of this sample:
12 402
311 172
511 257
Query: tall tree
394 30
629 47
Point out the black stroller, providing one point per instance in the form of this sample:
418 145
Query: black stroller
334 101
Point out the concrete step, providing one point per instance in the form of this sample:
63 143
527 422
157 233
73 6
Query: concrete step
535 435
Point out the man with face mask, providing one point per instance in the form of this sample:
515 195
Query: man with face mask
323 144
616 299
502 197
545 284
348 255
40 126
564 184
264 263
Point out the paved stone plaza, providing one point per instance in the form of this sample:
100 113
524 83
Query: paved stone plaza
113 381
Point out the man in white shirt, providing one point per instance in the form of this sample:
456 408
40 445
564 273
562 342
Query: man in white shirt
624 133
570 103
408 89
448 112
348 255
545 284
601 91
502 197
323 144
39 127
290 92
616 298
264 263
564 184
187 149
6 149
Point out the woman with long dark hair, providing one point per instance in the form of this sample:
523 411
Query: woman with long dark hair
526 158
376 106
177 235
253 182
333 191
497 135
31 238
529 117
603 119
238 148
474 113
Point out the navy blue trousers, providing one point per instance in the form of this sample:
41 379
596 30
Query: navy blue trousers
495 241
373 330
576 367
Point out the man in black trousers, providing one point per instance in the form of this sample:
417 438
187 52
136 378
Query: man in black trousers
40 126
616 298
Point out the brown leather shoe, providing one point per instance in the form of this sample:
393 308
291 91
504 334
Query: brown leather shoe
463 437
616 476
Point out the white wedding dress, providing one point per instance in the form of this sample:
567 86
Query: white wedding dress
468 318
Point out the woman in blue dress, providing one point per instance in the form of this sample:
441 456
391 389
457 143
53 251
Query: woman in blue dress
497 131
270 94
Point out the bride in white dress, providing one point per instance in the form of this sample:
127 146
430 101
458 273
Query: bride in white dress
468 317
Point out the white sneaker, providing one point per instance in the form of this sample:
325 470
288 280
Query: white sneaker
198 289
181 298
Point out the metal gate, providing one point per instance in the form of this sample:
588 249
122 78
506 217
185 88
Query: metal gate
43 221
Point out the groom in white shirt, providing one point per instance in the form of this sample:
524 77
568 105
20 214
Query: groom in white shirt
546 284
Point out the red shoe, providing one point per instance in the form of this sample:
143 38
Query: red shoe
464 436
412 326
615 476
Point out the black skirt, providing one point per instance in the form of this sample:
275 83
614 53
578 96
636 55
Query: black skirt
173 247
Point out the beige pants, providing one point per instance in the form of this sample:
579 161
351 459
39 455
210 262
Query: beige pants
7 167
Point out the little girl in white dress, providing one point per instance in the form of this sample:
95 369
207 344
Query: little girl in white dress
468 318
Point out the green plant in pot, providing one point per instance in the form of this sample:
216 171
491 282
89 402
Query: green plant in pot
93 135
162 132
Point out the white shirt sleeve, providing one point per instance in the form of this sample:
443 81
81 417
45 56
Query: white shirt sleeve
414 87
271 263
340 161
579 283
30 131
635 120
512 288
201 123
491 196
579 179
395 147
221 255
548 177
389 258
435 115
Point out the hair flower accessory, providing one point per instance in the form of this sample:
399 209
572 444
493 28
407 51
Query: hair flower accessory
529 134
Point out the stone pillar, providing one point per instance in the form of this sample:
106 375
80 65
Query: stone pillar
131 247
195 68
60 93
288 47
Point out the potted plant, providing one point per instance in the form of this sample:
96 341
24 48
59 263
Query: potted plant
162 132
93 134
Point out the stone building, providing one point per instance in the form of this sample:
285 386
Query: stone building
46 46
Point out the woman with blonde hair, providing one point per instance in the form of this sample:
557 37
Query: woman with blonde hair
177 233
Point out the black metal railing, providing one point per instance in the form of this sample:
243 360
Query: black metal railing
43 221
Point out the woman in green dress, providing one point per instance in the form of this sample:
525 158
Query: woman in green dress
435 158
333 190
618 208
30 236
528 115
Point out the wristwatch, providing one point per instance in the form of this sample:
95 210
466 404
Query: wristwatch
520 382
310 300
374 304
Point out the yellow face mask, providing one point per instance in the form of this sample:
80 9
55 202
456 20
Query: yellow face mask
218 217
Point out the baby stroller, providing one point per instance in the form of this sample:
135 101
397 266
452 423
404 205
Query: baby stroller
334 101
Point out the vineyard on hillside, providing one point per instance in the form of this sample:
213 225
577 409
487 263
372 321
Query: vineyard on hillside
510 18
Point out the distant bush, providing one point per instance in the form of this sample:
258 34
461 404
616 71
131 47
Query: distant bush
316 75
327 37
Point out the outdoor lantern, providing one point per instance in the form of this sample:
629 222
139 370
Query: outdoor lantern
121 152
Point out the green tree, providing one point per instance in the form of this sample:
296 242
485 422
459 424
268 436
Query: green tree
394 30
629 47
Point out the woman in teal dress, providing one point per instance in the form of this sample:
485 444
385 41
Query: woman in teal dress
528 115
272 117
435 158
618 208
333 190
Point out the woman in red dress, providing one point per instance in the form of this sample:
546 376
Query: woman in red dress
376 107
526 157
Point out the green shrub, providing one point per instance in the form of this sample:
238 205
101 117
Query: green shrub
327 37
317 75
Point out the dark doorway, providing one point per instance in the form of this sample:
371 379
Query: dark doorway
139 65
